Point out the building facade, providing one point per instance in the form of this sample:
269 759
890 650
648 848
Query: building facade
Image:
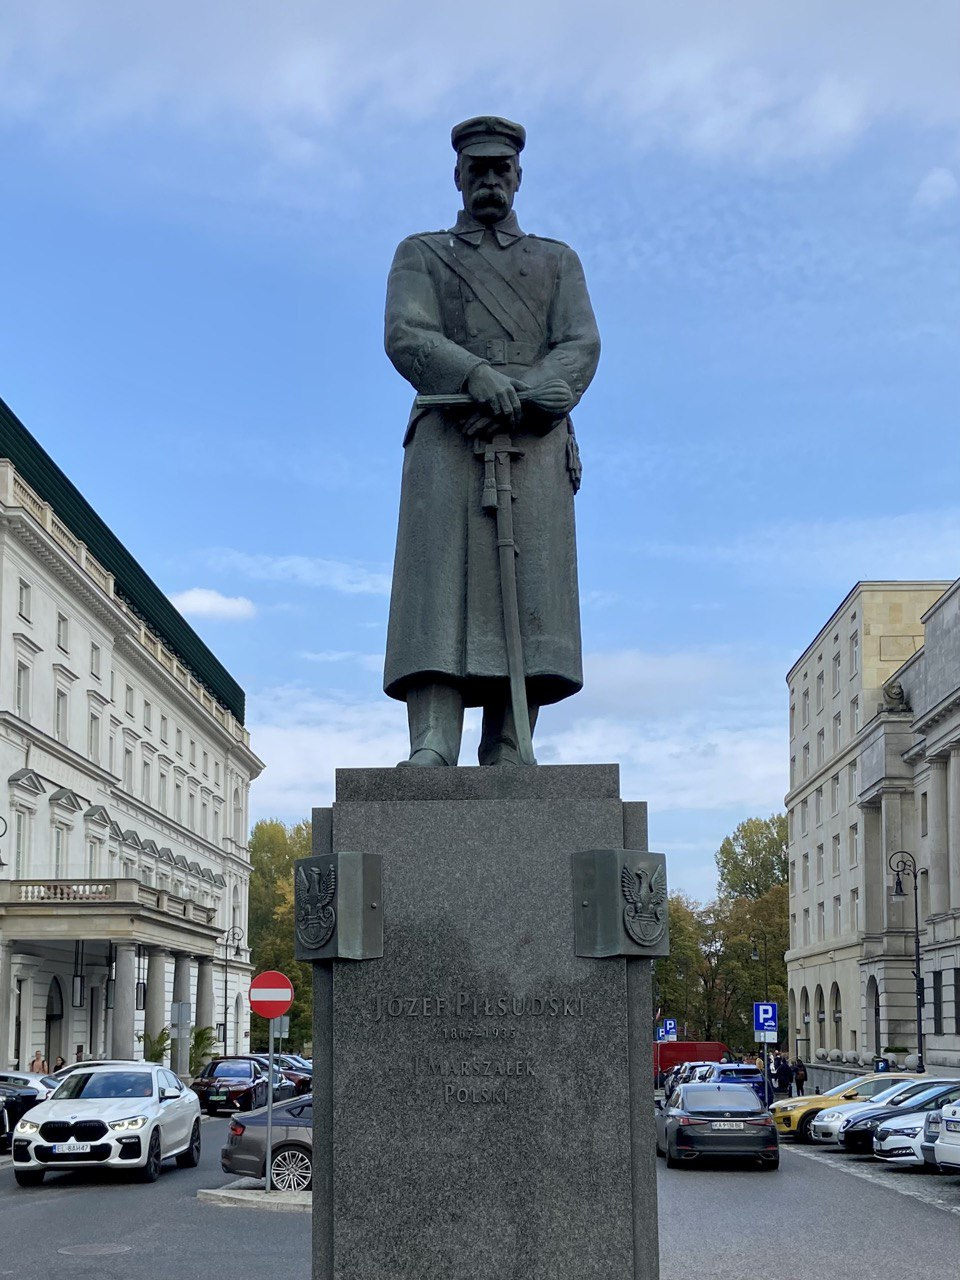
124 780
850 805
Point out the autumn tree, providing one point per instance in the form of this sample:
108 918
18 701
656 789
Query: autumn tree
753 860
274 848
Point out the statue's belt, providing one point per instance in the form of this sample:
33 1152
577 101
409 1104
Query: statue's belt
503 351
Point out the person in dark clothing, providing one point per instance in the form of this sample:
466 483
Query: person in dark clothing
784 1076
799 1076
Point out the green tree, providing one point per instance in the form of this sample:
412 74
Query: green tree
274 848
754 859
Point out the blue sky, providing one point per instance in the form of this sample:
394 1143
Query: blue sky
200 206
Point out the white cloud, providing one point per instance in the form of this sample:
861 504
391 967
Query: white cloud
937 188
742 78
302 571
202 602
369 661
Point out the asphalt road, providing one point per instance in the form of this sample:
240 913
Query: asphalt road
822 1214
162 1230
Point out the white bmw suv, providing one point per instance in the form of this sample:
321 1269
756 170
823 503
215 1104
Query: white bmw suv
111 1117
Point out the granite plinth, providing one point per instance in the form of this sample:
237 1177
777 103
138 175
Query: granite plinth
482 1091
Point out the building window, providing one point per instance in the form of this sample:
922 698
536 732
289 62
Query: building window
923 813
62 714
956 1002
836 673
193 752
819 864
835 793
216 825
112 753
806 926
23 607
145 778
821 922
793 771
837 726
59 852
855 910
793 929
937 1002
20 845
837 922
793 875
805 708
178 802
793 719
805 871
853 844
821 752
128 769
818 806
806 759
203 818
128 700
178 742
854 653
63 632
855 715
162 797
835 854
803 817
92 868
852 789
819 690
790 824
23 691
93 737
147 715
95 660
191 810
206 765
216 773
163 728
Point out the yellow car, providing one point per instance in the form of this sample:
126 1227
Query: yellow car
794 1115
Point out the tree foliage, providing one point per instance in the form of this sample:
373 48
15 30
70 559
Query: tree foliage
753 860
274 848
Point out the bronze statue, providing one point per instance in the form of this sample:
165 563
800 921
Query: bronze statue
494 329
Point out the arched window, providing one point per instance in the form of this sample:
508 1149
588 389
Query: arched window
873 1013
836 1016
53 1039
821 1018
792 1028
238 1027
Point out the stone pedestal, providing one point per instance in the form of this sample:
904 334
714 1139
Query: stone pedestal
483 1096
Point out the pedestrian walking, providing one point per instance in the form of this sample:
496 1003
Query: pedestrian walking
799 1075
783 1073
39 1064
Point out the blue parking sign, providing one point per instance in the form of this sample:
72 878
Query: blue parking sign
765 1023
661 1033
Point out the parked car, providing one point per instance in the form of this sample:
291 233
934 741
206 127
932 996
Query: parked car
5 1128
794 1116
19 1091
856 1133
667 1054
826 1124
234 1084
283 1088
301 1080
715 1119
932 1124
109 1118
291 1163
62 1072
947 1145
739 1073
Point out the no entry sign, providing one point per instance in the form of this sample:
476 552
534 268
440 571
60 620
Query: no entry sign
271 994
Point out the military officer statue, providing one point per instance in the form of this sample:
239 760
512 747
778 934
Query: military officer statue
494 329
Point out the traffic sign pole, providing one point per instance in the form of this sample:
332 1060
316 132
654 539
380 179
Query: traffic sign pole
271 995
269 1107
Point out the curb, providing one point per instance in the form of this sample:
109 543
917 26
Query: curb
248 1193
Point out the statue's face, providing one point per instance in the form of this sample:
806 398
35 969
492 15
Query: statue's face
489 184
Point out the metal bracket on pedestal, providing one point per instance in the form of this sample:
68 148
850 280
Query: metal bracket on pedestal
338 907
620 903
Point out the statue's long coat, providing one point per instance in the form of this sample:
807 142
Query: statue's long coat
455 298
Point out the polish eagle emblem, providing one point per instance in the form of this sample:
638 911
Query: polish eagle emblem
645 915
315 917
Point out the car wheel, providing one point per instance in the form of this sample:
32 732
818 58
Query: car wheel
291 1169
29 1177
151 1170
803 1129
190 1158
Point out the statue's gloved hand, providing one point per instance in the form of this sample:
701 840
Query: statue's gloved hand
495 391
553 397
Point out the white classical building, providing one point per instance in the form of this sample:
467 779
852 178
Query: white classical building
124 778
875 774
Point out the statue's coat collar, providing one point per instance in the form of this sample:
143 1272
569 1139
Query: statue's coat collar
469 229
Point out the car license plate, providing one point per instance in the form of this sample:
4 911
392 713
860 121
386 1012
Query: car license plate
728 1124
218 1097
952 1125
71 1148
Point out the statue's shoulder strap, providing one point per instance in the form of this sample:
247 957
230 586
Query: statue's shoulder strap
548 240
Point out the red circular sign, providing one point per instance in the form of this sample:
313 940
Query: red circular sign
271 994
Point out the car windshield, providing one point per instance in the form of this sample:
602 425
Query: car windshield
106 1084
839 1089
235 1069
899 1093
706 1097
738 1073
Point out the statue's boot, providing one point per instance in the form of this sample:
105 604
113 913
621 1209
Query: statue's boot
498 739
435 715
423 759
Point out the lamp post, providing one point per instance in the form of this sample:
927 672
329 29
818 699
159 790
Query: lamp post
901 862
755 955
232 938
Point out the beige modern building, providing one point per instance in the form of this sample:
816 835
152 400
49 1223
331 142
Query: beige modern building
851 804
124 776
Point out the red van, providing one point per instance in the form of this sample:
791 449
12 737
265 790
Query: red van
668 1053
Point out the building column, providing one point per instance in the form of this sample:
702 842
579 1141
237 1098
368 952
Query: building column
124 1000
937 834
206 1017
155 1012
180 1062
953 826
7 997
891 821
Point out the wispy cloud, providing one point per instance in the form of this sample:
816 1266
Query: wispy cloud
938 188
369 661
302 571
203 602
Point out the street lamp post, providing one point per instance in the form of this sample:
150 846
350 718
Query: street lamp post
232 938
755 955
901 862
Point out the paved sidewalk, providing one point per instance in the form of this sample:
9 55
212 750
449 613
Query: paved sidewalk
249 1193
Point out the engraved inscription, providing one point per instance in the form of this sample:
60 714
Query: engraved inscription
466 1004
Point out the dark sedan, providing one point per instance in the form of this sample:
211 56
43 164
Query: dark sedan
856 1133
231 1084
19 1091
291 1164
726 1120
301 1080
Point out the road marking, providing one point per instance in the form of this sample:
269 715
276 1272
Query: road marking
880 1177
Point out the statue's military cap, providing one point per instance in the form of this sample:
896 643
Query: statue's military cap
488 136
